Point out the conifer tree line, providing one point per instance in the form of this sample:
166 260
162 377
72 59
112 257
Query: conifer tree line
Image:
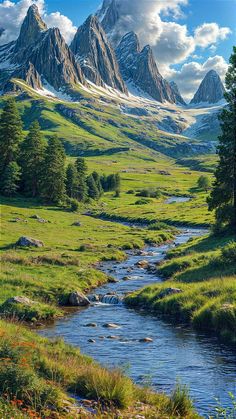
35 167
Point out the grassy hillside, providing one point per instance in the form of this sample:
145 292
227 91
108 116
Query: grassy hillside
203 270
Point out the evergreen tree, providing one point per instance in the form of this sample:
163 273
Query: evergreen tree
53 181
82 191
81 166
223 196
32 157
10 135
98 183
93 191
103 180
72 181
11 179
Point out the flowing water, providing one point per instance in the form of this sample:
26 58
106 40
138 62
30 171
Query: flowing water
200 361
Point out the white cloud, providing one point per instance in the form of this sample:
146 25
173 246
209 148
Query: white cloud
210 33
191 74
12 16
62 22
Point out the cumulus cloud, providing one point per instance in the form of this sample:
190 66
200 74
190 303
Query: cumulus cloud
191 74
210 33
12 16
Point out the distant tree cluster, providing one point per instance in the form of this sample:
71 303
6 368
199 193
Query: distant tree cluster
37 168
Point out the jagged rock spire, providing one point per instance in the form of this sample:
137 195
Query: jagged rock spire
96 56
211 89
31 28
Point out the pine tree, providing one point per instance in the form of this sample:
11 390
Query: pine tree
98 183
53 180
93 191
82 191
10 135
223 196
72 181
81 166
11 179
32 157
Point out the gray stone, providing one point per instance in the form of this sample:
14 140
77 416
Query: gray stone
29 242
111 325
78 299
146 340
169 291
20 300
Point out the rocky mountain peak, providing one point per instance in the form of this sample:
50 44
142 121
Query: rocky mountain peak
31 28
211 89
139 68
109 14
96 56
176 93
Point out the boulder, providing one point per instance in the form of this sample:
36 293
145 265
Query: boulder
91 341
20 300
94 298
111 325
169 291
78 299
142 264
29 242
91 325
38 218
146 340
127 278
77 224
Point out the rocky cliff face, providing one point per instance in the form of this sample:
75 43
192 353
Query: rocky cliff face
41 54
139 67
96 56
211 89
177 96
31 29
108 14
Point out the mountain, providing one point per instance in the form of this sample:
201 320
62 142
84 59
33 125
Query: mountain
108 14
139 68
96 56
211 89
39 55
176 93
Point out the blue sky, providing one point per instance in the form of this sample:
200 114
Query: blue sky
188 37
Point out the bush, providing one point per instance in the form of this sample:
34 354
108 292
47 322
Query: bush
180 402
130 192
74 205
142 201
149 193
228 253
109 387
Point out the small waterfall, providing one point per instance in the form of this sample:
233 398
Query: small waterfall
110 299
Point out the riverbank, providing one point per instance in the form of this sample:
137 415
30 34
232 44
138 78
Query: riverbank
37 376
73 245
199 287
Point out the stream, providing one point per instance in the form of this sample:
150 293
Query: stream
206 366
